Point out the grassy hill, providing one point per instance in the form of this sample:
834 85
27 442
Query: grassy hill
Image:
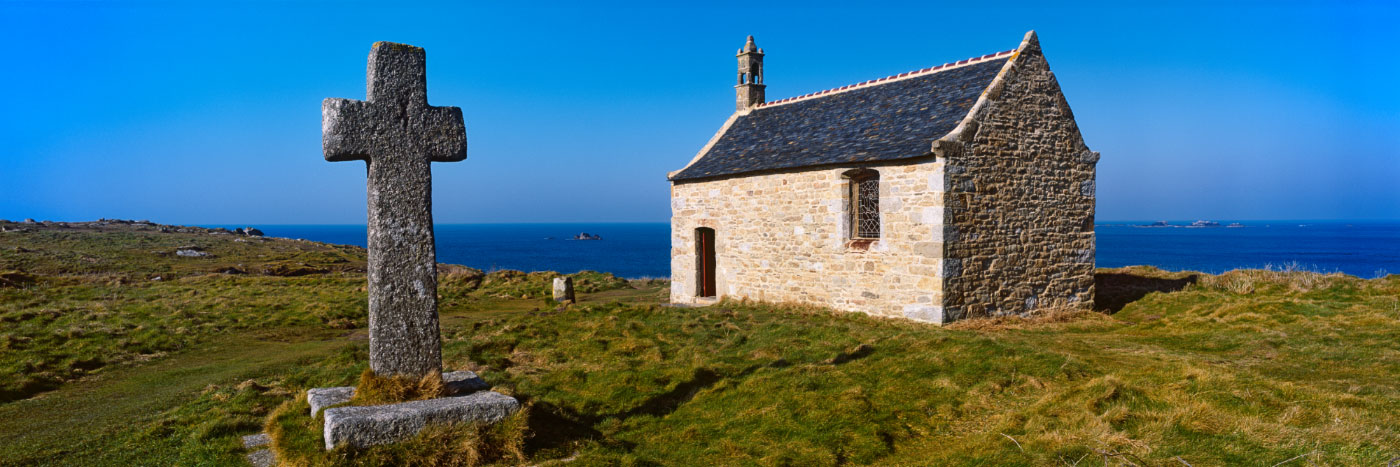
102 364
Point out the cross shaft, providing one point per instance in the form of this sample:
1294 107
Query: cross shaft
398 134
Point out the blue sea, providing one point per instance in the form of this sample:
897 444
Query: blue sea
1364 249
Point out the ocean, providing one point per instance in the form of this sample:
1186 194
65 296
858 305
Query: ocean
1359 248
627 250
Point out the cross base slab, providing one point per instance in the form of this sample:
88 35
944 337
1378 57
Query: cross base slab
364 426
458 383
320 398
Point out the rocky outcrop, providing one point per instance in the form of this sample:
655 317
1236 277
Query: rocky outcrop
248 231
192 251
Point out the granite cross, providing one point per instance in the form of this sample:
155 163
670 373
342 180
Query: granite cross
397 134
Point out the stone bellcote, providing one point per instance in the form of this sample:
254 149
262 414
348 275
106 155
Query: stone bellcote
749 91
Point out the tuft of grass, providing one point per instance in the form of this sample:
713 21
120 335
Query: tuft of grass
1042 319
375 390
291 431
1289 277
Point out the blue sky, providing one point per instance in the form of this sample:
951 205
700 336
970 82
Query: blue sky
208 112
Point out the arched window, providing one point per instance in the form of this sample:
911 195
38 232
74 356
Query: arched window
865 203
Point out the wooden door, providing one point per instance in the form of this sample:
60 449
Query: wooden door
704 262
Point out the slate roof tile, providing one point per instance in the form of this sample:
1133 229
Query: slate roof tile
878 120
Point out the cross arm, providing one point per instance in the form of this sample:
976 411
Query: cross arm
444 134
346 126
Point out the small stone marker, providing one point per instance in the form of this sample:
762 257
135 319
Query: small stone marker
564 289
398 134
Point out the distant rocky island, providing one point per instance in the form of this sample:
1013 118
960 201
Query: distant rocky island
1197 224
587 236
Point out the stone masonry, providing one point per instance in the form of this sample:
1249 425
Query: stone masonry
995 218
1020 200
785 238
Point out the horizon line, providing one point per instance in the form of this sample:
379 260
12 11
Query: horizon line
1097 222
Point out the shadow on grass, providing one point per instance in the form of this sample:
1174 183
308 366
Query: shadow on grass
556 427
29 388
1115 290
663 404
861 351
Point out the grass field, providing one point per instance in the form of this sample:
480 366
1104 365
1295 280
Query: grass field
102 365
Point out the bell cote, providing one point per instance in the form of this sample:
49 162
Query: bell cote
749 90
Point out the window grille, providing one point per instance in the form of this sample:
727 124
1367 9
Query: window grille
867 207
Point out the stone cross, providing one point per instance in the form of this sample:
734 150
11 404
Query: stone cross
397 134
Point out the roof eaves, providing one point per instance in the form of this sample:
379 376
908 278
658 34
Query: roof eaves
925 157
708 145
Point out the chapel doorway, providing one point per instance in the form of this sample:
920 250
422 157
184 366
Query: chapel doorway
704 262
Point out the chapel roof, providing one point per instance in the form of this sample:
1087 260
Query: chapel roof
892 118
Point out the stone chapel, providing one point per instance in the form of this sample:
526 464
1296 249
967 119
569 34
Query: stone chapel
955 191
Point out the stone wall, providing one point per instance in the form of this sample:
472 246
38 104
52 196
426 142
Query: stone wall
785 237
1020 201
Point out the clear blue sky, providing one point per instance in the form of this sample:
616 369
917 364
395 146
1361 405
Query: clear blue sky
208 112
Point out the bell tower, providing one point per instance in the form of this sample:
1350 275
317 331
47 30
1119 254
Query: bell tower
749 91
